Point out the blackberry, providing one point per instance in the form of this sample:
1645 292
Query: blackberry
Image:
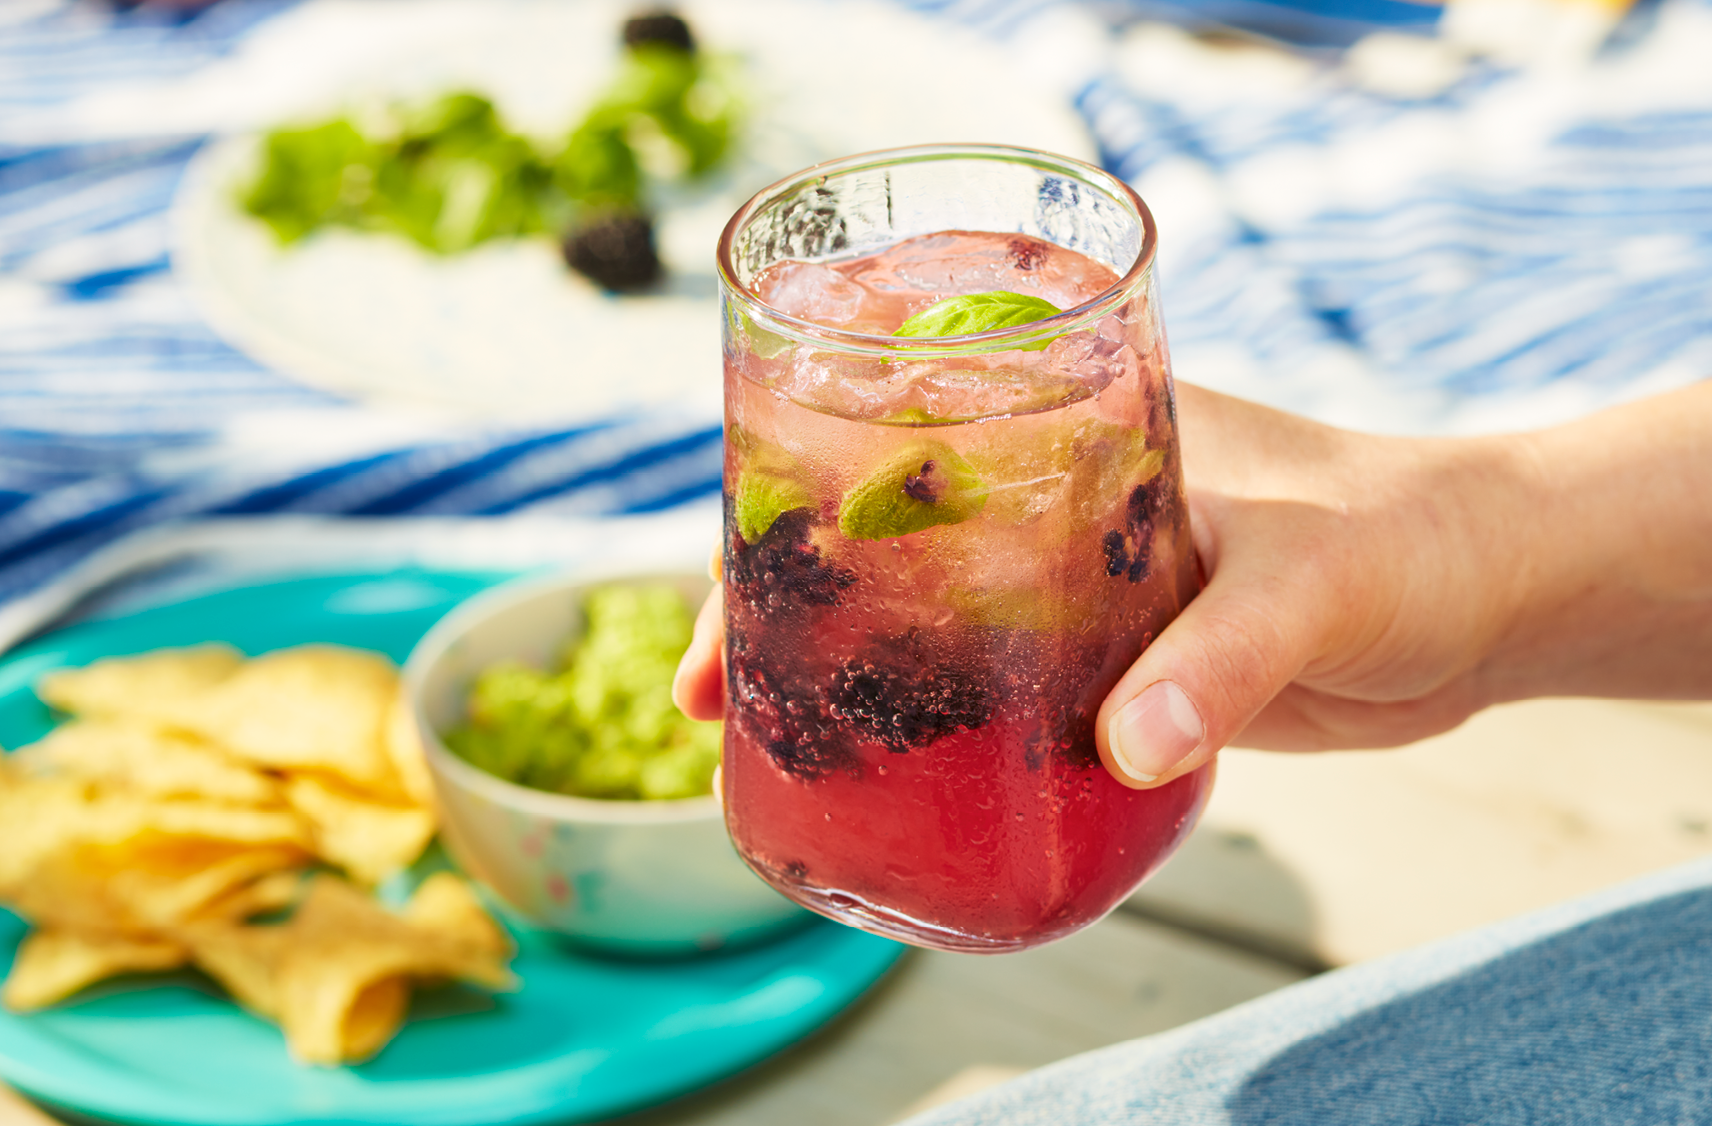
788 716
907 709
1026 254
662 26
1117 555
1129 551
928 485
614 250
787 564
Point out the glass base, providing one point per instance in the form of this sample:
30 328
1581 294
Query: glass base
853 911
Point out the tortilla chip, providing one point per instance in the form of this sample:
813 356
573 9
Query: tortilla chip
369 839
114 888
77 856
337 976
40 816
273 892
138 756
147 685
335 913
446 907
346 1010
345 948
163 895
316 707
244 959
374 1018
189 796
404 749
227 823
53 964
47 813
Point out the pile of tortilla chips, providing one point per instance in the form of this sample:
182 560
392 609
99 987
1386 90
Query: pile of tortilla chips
192 790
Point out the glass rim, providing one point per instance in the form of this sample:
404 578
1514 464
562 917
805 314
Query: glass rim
994 340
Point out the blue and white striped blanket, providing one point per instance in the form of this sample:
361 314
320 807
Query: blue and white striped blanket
1516 249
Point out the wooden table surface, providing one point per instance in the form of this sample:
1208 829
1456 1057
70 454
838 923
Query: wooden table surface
940 1014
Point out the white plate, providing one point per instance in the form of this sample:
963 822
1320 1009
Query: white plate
506 332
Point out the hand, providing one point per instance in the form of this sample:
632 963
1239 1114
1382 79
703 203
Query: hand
1354 585
1366 591
699 687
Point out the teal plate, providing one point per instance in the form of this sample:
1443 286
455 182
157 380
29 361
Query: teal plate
584 1038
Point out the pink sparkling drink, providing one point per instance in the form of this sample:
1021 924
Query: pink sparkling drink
941 553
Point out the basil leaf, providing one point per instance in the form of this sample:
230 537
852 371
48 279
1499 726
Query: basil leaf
981 312
761 498
924 485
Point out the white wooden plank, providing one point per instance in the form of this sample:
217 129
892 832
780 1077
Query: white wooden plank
1356 854
944 1013
969 1081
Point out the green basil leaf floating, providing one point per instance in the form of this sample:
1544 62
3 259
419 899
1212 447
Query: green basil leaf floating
981 312
761 498
923 485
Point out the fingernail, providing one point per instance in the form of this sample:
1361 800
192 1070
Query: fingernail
1155 731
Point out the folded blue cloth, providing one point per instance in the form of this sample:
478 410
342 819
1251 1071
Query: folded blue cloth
1513 248
120 408
1307 23
1596 1011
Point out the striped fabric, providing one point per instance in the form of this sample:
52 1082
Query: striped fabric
120 409
1515 249
1307 23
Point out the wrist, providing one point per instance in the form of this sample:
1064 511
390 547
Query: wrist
1613 546
1497 581
1532 561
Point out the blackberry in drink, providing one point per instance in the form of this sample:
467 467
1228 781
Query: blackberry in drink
954 517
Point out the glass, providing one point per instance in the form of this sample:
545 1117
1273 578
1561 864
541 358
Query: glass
941 553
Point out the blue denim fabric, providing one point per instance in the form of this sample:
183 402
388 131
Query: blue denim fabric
1595 1012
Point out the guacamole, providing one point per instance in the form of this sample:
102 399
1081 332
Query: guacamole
602 725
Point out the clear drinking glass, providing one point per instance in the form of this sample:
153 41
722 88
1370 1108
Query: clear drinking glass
941 553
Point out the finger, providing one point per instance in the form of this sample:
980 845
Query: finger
699 687
1209 673
1303 719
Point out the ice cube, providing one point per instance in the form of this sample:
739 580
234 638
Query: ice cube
810 291
956 262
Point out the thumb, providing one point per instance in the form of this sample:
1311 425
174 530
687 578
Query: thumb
1233 648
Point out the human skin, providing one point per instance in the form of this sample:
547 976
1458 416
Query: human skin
1367 591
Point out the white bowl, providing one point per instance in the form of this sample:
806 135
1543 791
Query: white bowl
633 877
